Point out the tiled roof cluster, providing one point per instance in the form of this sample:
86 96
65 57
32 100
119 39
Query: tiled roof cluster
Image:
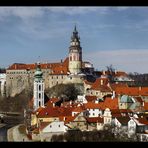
132 91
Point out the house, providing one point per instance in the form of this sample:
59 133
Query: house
107 116
92 109
125 102
100 88
95 123
131 127
121 124
76 122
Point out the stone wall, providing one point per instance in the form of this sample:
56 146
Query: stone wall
19 80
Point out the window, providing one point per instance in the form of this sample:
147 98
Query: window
59 125
39 95
70 58
50 126
93 114
39 87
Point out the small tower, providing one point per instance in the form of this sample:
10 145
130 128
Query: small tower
38 94
75 53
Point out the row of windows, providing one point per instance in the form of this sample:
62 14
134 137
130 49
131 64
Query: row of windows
25 72
20 72
57 77
53 82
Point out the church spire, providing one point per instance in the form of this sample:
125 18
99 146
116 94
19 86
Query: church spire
75 36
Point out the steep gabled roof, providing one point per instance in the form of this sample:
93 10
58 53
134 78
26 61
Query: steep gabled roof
123 120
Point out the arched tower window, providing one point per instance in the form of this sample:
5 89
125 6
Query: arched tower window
39 103
39 95
70 58
39 87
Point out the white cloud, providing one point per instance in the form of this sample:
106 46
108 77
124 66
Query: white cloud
130 60
21 12
78 10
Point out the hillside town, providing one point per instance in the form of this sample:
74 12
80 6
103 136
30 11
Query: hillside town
108 98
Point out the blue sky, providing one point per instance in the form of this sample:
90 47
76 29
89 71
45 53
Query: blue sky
109 35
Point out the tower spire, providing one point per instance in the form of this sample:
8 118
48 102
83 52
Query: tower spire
75 28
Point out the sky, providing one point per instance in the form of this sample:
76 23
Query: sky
108 35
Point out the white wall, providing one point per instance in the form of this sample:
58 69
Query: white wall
131 127
57 126
95 112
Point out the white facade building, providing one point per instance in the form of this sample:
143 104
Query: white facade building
55 127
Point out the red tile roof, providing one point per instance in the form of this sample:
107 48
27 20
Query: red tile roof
108 103
90 98
132 91
111 103
102 87
120 73
142 120
57 68
61 68
146 106
117 85
95 120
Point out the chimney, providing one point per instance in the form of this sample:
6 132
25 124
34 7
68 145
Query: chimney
113 95
53 104
140 87
101 82
143 103
64 119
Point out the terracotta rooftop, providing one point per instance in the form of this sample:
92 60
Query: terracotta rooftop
57 68
90 98
132 91
95 120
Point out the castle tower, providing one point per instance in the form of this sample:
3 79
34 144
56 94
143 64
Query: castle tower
38 93
75 53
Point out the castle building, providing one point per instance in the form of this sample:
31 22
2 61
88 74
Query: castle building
72 69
